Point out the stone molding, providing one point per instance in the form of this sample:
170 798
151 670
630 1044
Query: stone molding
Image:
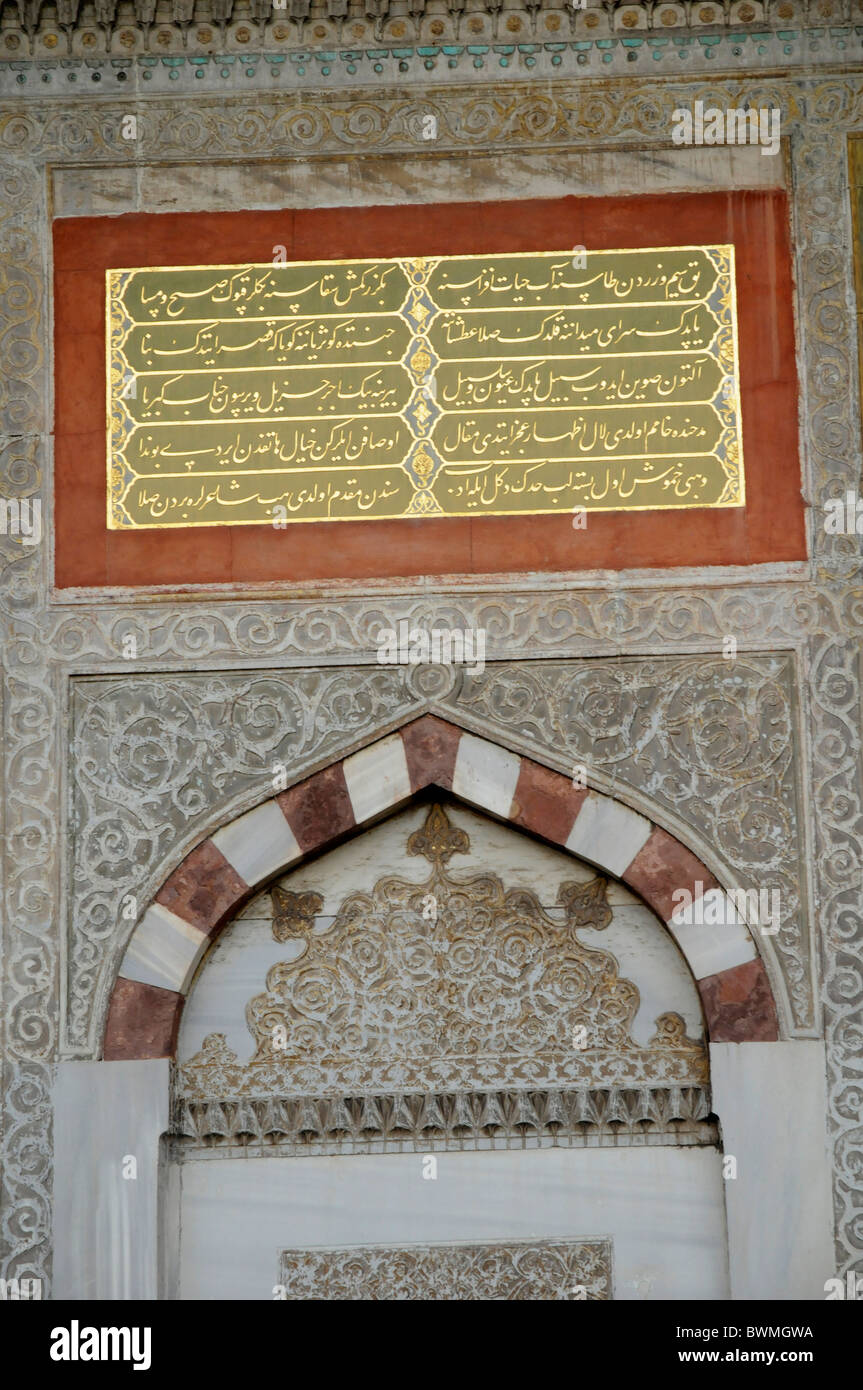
616 1116
259 65
231 25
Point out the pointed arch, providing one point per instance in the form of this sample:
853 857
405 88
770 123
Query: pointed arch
214 881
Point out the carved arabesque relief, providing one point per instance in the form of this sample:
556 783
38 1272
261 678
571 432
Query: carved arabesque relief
548 1270
154 755
712 739
453 982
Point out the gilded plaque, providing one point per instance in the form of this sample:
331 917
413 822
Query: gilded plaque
521 384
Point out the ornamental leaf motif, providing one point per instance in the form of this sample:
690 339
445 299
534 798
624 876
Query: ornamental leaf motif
557 1270
293 913
456 981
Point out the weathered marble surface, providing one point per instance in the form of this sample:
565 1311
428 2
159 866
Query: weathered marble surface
105 1238
782 1185
363 181
662 1209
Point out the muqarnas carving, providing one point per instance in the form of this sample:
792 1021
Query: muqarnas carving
453 982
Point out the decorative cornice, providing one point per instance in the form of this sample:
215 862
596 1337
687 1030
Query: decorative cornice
613 1116
351 42
214 26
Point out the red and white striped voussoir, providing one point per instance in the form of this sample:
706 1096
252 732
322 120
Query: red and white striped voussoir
218 876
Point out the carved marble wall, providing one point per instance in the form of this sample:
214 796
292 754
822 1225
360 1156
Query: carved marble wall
793 752
520 1216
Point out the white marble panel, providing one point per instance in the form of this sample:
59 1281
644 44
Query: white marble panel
608 833
377 778
711 945
236 971
258 843
258 907
486 774
646 954
104 1223
164 950
617 894
662 1208
771 1101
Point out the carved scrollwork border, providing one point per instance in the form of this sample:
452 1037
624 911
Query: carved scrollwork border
43 642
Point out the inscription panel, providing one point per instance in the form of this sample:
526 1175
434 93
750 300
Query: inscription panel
520 384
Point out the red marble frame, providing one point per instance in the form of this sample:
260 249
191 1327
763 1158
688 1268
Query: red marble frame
769 528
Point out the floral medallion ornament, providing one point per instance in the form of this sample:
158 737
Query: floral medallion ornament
293 913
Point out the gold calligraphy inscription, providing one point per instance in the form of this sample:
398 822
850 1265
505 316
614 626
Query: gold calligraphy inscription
450 386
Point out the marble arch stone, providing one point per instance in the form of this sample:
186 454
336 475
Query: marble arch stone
222 872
